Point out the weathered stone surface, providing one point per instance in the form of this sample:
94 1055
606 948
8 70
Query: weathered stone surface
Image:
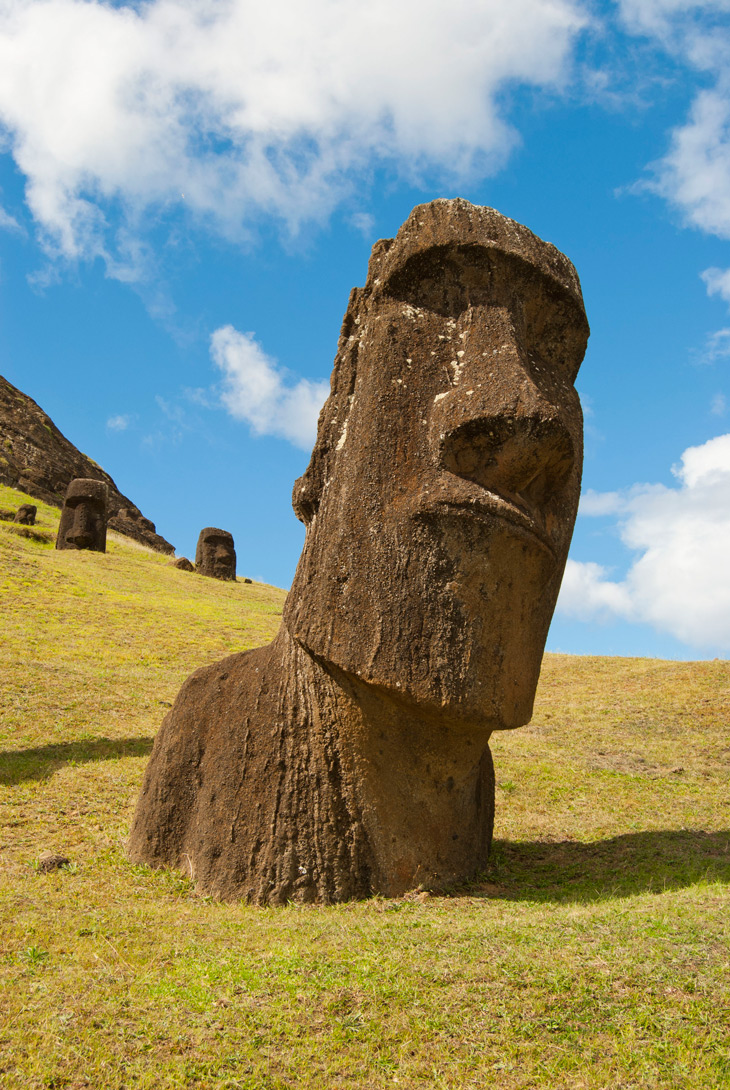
182 563
50 861
84 516
351 755
37 459
26 514
215 554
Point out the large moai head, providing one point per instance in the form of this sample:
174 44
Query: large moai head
444 483
215 554
26 513
84 516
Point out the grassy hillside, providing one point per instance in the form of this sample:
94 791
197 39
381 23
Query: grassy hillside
594 954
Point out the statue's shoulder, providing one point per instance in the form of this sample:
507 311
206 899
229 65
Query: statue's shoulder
230 682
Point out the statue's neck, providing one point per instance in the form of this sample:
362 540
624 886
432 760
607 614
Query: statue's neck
422 787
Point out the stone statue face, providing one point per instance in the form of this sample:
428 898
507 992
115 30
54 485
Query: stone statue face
84 516
26 514
443 488
215 555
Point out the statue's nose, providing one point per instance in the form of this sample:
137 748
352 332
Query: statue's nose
81 531
501 432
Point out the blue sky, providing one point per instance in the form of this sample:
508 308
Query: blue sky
188 192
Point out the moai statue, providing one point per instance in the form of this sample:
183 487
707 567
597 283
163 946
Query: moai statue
84 516
215 555
182 563
26 514
351 755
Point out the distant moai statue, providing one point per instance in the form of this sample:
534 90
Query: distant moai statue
182 563
26 514
84 516
215 554
351 755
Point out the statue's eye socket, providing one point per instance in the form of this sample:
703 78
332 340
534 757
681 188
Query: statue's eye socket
449 279
446 280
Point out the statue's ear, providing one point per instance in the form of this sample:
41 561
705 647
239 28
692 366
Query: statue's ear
308 488
305 495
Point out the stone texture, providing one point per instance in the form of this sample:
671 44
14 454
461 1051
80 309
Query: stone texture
84 516
50 861
26 514
215 555
351 755
36 458
182 563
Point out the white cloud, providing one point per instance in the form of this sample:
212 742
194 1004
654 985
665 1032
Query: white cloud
8 222
118 423
243 108
587 595
718 405
717 282
695 173
657 17
680 581
706 464
363 222
256 390
717 347
600 503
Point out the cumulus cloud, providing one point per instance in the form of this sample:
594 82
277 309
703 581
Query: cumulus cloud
694 175
243 108
258 391
600 503
680 579
588 595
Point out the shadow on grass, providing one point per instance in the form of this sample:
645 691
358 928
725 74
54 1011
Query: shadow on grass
39 764
622 866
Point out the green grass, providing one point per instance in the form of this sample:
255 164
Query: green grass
594 954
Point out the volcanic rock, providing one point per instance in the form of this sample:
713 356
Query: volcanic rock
215 554
50 861
26 514
182 563
84 515
351 755
36 458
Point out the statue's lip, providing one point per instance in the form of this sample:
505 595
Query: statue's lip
474 501
500 508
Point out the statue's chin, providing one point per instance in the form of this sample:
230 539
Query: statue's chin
482 707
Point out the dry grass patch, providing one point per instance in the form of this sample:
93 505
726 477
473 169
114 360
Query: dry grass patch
594 954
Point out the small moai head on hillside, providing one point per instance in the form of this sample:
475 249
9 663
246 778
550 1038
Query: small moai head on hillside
444 483
215 554
26 514
181 563
84 516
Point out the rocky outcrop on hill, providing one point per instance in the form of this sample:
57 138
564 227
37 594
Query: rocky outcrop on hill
37 458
